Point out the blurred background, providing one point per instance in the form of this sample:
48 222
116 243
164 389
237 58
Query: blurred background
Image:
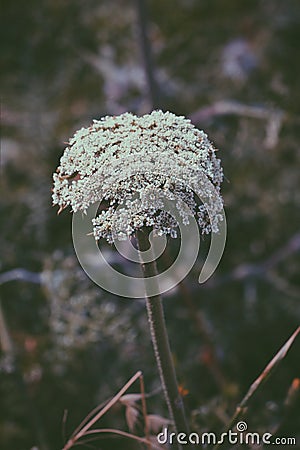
233 68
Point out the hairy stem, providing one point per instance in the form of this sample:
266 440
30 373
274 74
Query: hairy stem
161 344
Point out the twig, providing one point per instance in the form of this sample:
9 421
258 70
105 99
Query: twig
21 275
248 270
147 54
273 117
241 272
282 285
224 107
269 369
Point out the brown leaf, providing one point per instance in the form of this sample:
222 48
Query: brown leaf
130 399
132 415
156 423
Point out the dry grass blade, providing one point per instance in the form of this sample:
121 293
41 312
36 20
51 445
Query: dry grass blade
87 418
280 355
270 367
124 434
84 430
144 409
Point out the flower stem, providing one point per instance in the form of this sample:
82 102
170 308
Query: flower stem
161 344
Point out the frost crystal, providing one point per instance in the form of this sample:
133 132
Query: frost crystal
134 164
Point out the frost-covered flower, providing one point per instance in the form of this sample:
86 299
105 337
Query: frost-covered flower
135 163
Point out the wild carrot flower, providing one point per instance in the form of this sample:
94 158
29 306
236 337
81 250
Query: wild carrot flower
138 166
134 163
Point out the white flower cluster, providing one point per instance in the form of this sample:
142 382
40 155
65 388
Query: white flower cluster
135 164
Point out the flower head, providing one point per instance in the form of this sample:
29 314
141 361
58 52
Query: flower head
135 163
